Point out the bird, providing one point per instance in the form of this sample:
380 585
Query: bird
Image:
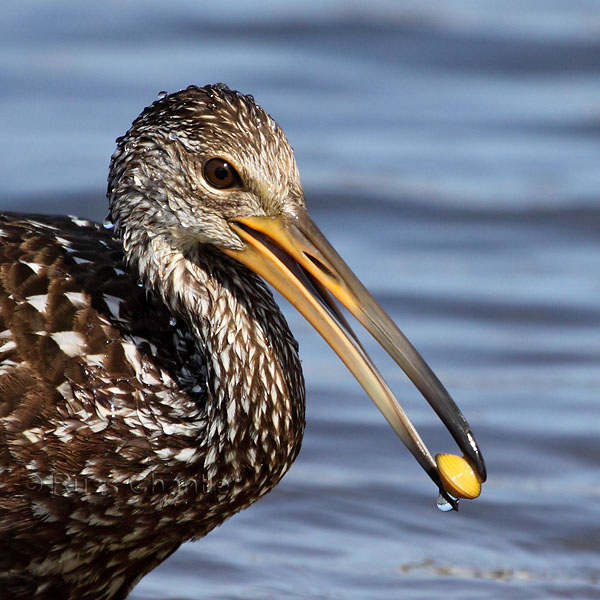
150 387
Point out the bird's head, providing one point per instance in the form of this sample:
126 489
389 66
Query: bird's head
195 161
209 166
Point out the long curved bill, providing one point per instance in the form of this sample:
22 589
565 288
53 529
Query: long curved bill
296 259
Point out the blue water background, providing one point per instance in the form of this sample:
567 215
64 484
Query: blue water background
450 150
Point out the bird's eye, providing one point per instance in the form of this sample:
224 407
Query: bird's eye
220 174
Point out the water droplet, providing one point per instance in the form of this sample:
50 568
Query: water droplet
108 224
443 504
140 282
162 94
172 321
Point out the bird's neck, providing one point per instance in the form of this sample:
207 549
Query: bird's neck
255 408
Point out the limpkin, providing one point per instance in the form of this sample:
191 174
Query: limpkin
149 386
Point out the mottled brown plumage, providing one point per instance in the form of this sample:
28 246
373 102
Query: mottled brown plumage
145 397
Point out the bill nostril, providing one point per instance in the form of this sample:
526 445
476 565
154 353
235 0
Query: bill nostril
319 264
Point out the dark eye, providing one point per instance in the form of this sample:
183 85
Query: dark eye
220 174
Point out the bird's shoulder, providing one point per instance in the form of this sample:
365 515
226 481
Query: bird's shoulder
77 328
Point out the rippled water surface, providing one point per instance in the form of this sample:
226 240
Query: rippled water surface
451 152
